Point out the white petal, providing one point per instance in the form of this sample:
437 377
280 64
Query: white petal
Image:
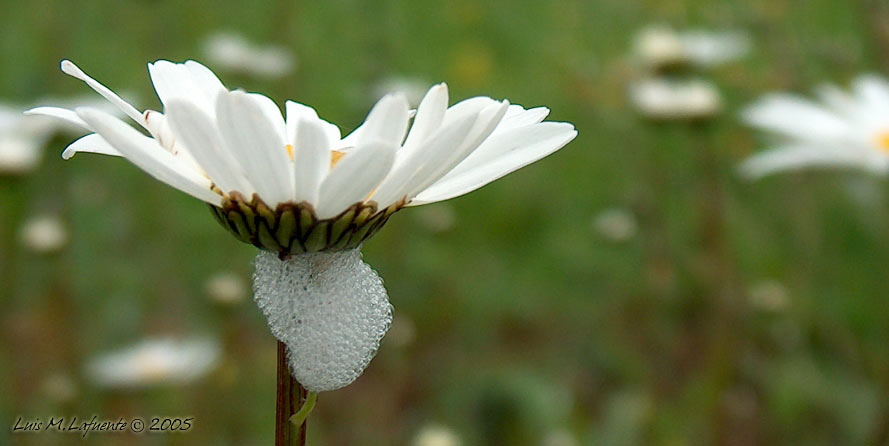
873 91
61 113
145 153
193 128
501 143
190 81
430 115
296 110
795 117
421 163
272 113
256 145
516 116
518 151
387 121
70 69
795 157
467 107
354 177
205 79
311 158
92 143
487 121
841 102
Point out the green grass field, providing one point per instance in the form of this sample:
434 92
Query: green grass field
519 321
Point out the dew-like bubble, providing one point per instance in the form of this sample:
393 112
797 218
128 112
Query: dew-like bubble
329 308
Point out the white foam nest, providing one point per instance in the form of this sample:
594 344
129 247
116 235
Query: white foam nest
329 308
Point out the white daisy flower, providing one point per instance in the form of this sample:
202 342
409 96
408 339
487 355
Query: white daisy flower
280 183
616 225
711 48
226 288
768 295
669 99
44 234
21 140
662 47
294 187
153 362
436 435
846 129
232 52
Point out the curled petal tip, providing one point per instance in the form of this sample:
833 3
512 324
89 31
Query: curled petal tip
69 68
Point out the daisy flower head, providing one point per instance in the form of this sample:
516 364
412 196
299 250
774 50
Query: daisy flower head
292 184
840 129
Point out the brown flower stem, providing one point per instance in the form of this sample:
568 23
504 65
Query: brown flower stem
290 398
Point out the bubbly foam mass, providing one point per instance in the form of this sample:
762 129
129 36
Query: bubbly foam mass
329 308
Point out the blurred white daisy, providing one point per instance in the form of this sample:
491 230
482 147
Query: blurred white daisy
412 88
226 288
44 234
437 435
711 48
24 137
671 99
768 295
843 129
21 140
661 46
616 225
154 362
232 52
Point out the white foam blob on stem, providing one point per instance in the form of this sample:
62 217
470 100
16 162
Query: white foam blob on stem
329 308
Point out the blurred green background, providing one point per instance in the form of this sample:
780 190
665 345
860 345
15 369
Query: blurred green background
517 322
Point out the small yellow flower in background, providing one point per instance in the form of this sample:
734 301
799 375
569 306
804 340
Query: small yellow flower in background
843 129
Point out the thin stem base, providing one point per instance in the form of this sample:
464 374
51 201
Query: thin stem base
290 398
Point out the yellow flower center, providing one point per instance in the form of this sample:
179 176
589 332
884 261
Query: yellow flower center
335 155
883 141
